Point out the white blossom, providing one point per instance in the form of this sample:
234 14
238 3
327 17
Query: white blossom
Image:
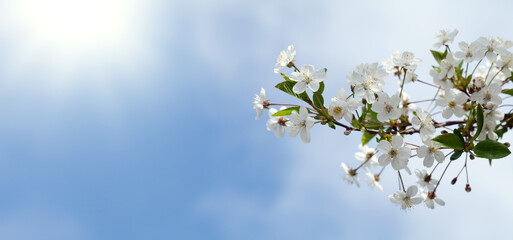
444 38
430 199
300 122
491 116
491 47
395 153
444 82
387 107
284 59
406 199
407 61
259 103
389 64
425 179
430 152
424 123
453 103
308 77
367 156
488 95
341 106
469 53
350 175
447 68
505 62
367 80
277 124
372 180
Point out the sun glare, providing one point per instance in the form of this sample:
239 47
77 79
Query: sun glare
73 24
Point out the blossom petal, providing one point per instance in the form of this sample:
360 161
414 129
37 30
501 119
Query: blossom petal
412 191
299 87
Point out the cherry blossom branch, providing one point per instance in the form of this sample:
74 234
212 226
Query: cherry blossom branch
393 132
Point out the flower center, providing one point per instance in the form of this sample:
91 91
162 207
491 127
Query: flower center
407 201
392 153
388 108
282 121
337 110
452 104
487 97
427 178
432 150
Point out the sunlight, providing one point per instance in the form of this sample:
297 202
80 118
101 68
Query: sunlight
74 25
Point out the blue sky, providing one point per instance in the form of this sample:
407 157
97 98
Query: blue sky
145 130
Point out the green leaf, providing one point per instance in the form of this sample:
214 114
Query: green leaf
491 149
508 91
287 86
449 140
372 119
456 155
317 96
457 132
480 121
439 56
286 111
367 137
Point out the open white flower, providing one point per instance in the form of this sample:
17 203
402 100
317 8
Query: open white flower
366 155
300 122
340 106
425 179
488 94
406 199
396 153
447 67
444 38
390 66
505 62
350 175
387 107
373 180
308 77
429 152
430 198
407 61
277 124
284 59
424 123
491 47
367 80
469 53
259 103
452 103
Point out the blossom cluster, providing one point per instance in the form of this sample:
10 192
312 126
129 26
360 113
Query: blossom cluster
462 118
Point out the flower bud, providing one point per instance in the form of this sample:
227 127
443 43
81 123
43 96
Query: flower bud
453 181
507 144
347 132
467 188
364 101
472 157
444 131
